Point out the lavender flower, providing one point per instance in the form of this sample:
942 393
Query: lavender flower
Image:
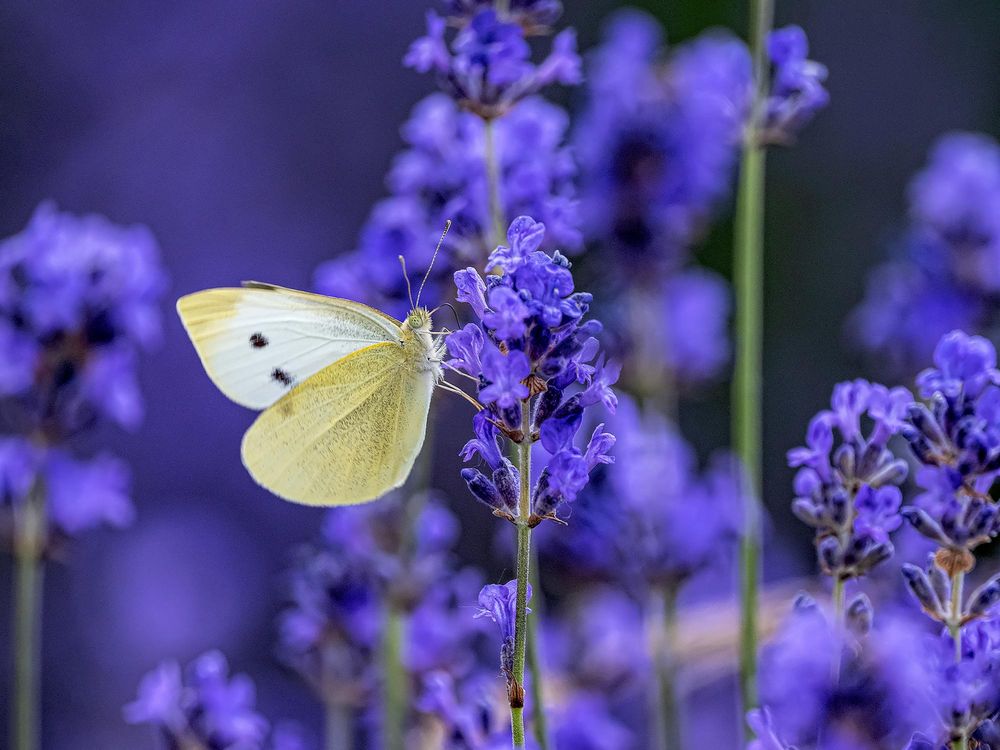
536 16
944 275
848 493
497 602
531 348
78 296
209 709
655 520
488 67
797 92
956 440
442 175
78 299
879 700
658 142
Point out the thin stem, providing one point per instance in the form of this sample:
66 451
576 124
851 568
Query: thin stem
962 743
523 572
28 581
746 389
838 622
396 679
493 181
541 730
337 726
955 613
667 670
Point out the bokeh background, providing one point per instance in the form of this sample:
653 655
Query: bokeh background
252 138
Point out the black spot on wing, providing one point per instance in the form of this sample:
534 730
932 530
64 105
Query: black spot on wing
258 340
280 376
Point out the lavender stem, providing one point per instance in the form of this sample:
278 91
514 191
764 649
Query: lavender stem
746 387
493 182
523 571
28 582
541 730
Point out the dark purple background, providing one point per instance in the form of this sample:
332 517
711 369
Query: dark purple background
252 138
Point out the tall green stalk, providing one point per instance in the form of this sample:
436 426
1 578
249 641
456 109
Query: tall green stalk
516 692
29 541
540 724
396 678
748 272
493 183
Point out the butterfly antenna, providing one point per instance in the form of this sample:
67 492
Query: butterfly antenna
406 278
447 226
450 307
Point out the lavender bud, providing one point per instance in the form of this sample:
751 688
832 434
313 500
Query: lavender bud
879 553
843 458
926 525
984 598
939 581
870 459
892 472
505 478
829 555
806 511
548 402
804 602
924 421
920 586
839 503
860 615
482 488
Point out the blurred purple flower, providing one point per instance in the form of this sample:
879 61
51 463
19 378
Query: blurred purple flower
488 67
945 276
658 142
210 708
442 175
797 92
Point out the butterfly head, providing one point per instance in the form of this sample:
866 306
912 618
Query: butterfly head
419 319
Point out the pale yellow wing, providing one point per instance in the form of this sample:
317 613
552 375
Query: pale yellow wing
259 341
347 435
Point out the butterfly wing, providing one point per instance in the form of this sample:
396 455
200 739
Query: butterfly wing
347 435
259 341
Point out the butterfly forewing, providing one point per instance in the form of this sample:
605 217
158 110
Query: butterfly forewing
347 435
260 341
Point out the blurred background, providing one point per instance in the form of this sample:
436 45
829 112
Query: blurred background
252 138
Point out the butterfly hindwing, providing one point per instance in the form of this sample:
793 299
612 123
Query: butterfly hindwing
348 434
259 341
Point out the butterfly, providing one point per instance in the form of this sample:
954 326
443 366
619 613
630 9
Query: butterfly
344 389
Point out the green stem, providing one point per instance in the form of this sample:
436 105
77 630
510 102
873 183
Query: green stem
667 669
838 622
29 542
337 725
396 679
541 730
746 390
955 613
523 571
493 181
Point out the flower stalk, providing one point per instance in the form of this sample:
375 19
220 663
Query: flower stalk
540 724
523 565
493 182
396 678
30 532
746 388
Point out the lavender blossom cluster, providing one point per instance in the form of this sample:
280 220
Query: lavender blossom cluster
79 300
